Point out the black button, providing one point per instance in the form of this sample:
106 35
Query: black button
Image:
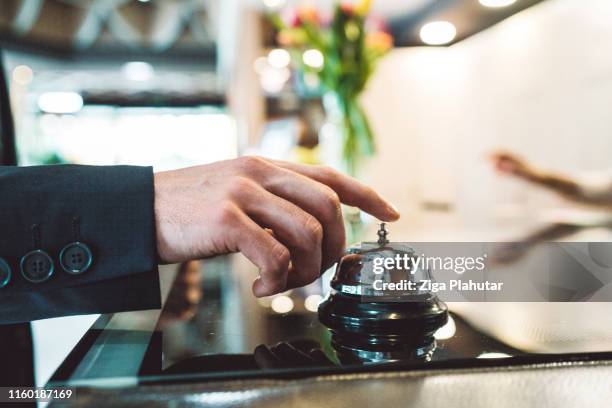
76 258
36 266
5 273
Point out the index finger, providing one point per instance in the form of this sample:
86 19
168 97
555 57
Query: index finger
350 191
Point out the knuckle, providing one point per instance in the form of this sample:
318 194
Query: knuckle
278 265
328 172
240 186
332 209
313 231
227 213
251 164
280 257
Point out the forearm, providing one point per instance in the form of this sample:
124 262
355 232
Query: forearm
558 183
599 194
130 220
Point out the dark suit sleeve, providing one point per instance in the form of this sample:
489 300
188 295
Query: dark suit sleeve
108 209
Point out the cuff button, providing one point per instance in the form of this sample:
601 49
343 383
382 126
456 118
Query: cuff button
5 273
76 258
36 266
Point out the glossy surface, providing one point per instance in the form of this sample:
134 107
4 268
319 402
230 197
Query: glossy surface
212 328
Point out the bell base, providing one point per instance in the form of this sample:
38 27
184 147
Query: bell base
356 349
350 314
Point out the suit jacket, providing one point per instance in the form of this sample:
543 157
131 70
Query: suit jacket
77 240
130 291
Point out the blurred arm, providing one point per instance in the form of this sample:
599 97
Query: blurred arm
571 189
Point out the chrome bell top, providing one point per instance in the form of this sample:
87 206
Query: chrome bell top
361 270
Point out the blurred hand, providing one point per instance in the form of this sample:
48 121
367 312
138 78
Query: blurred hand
293 354
567 187
185 294
511 164
284 217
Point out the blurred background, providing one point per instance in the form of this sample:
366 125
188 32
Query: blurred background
176 83
95 82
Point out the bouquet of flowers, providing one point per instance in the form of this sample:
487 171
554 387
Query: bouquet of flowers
342 53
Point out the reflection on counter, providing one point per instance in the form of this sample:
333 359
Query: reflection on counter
208 324
211 336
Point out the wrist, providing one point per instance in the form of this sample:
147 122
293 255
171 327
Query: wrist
159 203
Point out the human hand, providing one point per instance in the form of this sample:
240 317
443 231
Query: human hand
185 294
284 217
294 354
568 187
509 163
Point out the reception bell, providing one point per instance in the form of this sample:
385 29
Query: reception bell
373 310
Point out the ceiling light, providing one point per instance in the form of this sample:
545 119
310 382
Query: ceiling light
496 3
23 74
138 71
313 58
279 58
282 304
60 102
438 33
274 3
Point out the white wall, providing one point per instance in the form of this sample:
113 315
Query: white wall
538 83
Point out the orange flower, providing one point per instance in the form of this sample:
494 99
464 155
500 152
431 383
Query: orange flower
308 14
380 41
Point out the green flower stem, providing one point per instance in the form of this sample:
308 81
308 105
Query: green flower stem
358 137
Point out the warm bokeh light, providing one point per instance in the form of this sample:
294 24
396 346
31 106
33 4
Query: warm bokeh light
279 58
260 64
311 303
23 74
282 304
496 3
313 58
438 33
273 80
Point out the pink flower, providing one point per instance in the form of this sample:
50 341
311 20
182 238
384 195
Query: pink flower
295 21
347 8
374 23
